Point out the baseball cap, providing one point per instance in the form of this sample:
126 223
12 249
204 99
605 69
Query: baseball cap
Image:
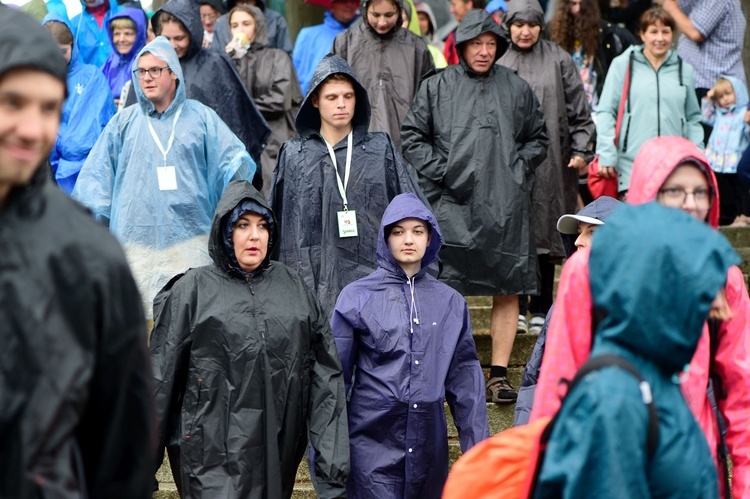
594 213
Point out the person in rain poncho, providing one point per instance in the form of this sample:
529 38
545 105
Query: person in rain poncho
388 60
75 398
158 170
656 176
276 27
406 346
86 111
90 31
127 36
651 314
245 367
316 198
413 23
475 134
552 75
269 76
315 42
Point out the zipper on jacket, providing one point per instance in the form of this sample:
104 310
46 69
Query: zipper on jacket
658 102
250 283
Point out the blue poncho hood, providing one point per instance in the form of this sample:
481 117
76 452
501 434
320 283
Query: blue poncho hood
75 56
162 49
740 92
684 262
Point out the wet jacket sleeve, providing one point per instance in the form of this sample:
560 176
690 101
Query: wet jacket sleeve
464 389
594 449
277 97
708 111
276 195
569 335
171 341
341 45
406 176
427 63
343 324
530 377
733 366
328 428
532 138
694 129
116 435
606 113
580 124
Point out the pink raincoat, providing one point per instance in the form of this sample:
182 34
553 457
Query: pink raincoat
569 335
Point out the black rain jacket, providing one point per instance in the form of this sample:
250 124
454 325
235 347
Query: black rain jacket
245 369
475 141
306 199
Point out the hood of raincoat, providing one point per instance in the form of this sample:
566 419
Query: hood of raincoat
308 118
220 247
261 4
740 93
24 43
189 15
413 19
363 16
657 159
404 206
139 18
599 209
655 306
261 31
75 56
528 11
425 8
162 49
217 5
475 23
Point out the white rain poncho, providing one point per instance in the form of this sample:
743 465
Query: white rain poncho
163 229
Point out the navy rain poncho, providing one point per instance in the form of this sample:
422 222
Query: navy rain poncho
117 67
654 272
245 370
305 194
406 346
86 111
164 232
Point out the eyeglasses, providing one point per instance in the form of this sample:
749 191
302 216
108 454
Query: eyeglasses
152 72
208 17
677 196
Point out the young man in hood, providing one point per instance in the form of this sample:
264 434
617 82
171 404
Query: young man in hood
475 158
75 398
158 170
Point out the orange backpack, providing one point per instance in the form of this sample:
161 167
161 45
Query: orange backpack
507 465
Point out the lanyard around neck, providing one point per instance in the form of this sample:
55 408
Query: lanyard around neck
347 168
171 135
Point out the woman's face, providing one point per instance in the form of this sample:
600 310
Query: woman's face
250 240
575 7
524 35
242 22
657 39
124 40
382 16
687 189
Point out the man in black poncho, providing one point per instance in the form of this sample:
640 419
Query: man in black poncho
475 134
329 203
75 398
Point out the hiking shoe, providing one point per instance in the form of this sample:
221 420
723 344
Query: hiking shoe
500 391
523 325
536 324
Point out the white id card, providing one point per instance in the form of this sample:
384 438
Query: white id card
167 178
348 223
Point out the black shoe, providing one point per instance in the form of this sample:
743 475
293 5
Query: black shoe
500 391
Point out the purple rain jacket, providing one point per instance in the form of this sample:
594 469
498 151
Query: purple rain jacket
406 346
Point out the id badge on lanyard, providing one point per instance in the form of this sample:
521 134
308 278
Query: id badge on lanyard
166 175
347 219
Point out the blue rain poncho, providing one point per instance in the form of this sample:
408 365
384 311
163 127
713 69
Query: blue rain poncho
117 67
164 232
85 113
406 346
93 41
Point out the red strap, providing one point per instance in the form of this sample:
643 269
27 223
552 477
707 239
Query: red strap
623 98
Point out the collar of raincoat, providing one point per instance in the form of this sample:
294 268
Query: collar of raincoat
188 13
657 159
162 49
475 23
75 58
526 11
261 32
220 247
654 272
363 9
407 206
139 18
308 118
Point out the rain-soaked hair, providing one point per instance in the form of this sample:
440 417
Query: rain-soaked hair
656 15
60 32
122 23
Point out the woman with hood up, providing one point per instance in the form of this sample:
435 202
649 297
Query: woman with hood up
245 367
651 313
269 76
406 345
554 78
127 31
389 61
656 176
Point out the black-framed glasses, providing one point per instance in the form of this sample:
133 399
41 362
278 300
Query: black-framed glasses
152 72
676 196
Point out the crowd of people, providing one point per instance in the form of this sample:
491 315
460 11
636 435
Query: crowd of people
278 238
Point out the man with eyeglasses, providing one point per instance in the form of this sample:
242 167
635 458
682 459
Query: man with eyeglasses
158 171
210 11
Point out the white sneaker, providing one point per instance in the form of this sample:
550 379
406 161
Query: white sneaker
536 324
523 325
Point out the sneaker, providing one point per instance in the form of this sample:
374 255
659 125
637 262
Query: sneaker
500 391
523 325
536 324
